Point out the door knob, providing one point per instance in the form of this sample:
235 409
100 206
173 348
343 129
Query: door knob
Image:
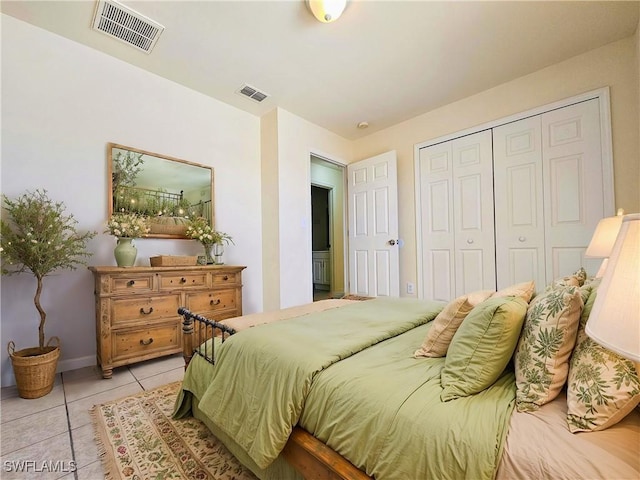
392 242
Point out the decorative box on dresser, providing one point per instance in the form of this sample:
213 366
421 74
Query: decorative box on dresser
137 308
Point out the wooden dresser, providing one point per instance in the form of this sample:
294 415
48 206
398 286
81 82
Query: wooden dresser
137 308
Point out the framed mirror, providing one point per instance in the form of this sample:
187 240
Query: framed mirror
168 190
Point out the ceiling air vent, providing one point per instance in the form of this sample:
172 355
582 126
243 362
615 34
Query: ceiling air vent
127 25
252 92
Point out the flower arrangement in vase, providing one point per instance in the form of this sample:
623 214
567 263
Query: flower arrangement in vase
126 227
200 230
40 238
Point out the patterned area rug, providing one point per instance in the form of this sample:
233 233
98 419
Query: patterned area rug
137 439
356 297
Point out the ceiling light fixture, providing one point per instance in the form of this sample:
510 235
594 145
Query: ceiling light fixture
326 11
363 125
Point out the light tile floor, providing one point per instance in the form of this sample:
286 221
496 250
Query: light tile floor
321 294
51 432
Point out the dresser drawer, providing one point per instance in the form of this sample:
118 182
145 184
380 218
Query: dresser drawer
184 280
225 278
131 284
146 341
137 308
144 308
211 301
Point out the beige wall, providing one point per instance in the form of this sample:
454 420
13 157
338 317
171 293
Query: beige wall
296 140
270 204
614 65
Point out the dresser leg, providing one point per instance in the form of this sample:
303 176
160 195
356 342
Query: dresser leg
107 372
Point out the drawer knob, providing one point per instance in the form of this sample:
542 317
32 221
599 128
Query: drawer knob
131 283
225 278
146 313
146 342
215 302
183 280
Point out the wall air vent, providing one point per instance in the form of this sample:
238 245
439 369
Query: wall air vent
127 25
252 93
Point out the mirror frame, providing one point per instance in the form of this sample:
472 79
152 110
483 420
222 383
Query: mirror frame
110 171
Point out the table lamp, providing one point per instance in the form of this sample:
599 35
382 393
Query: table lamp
614 321
603 239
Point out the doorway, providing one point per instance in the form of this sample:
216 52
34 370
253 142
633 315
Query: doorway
321 242
327 228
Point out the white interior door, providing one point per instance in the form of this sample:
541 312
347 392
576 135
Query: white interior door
373 227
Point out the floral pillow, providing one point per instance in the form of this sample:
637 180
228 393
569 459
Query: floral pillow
447 322
576 280
545 345
602 387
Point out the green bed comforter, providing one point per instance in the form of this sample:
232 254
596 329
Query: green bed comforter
366 403
381 409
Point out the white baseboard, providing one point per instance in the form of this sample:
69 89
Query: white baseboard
75 363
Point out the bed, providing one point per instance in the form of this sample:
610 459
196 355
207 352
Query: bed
335 389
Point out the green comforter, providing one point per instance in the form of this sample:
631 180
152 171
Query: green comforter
366 403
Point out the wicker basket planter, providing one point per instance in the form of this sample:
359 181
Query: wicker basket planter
35 368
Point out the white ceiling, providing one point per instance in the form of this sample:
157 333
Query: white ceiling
382 62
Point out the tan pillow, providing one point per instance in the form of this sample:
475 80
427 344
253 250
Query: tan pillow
447 322
546 343
523 290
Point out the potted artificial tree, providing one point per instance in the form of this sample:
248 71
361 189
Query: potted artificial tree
38 237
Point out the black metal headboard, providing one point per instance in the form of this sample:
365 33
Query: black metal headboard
196 330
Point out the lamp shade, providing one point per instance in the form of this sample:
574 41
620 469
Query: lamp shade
614 321
327 11
604 237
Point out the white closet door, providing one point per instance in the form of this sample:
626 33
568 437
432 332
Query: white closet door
473 213
436 221
520 246
573 195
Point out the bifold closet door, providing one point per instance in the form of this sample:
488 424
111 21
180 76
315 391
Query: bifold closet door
436 222
549 193
457 223
473 214
518 191
573 181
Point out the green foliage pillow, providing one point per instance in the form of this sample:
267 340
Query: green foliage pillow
602 387
546 343
482 346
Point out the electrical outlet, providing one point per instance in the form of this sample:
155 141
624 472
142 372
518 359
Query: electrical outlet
411 288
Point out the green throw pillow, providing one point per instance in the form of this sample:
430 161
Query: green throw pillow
482 347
